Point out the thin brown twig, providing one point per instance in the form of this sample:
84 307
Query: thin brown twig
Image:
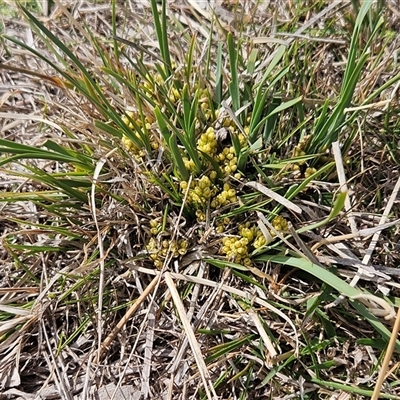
388 357
126 318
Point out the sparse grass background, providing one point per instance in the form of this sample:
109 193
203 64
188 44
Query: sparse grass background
198 204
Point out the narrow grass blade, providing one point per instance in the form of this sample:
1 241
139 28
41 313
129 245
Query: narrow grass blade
160 23
234 83
219 76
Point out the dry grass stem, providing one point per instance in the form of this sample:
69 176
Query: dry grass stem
205 376
107 341
388 357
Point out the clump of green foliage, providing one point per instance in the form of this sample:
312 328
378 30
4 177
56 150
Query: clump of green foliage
197 155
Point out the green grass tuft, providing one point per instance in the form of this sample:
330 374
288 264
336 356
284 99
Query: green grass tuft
208 158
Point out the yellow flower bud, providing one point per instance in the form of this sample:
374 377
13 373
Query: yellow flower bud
183 185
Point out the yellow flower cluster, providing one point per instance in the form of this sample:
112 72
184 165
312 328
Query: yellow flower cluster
237 248
201 190
204 101
221 224
226 122
227 158
155 226
299 149
280 224
231 126
260 240
298 152
152 80
228 161
132 147
253 234
248 231
174 95
189 164
150 83
309 171
226 196
159 251
205 188
242 138
200 215
207 142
